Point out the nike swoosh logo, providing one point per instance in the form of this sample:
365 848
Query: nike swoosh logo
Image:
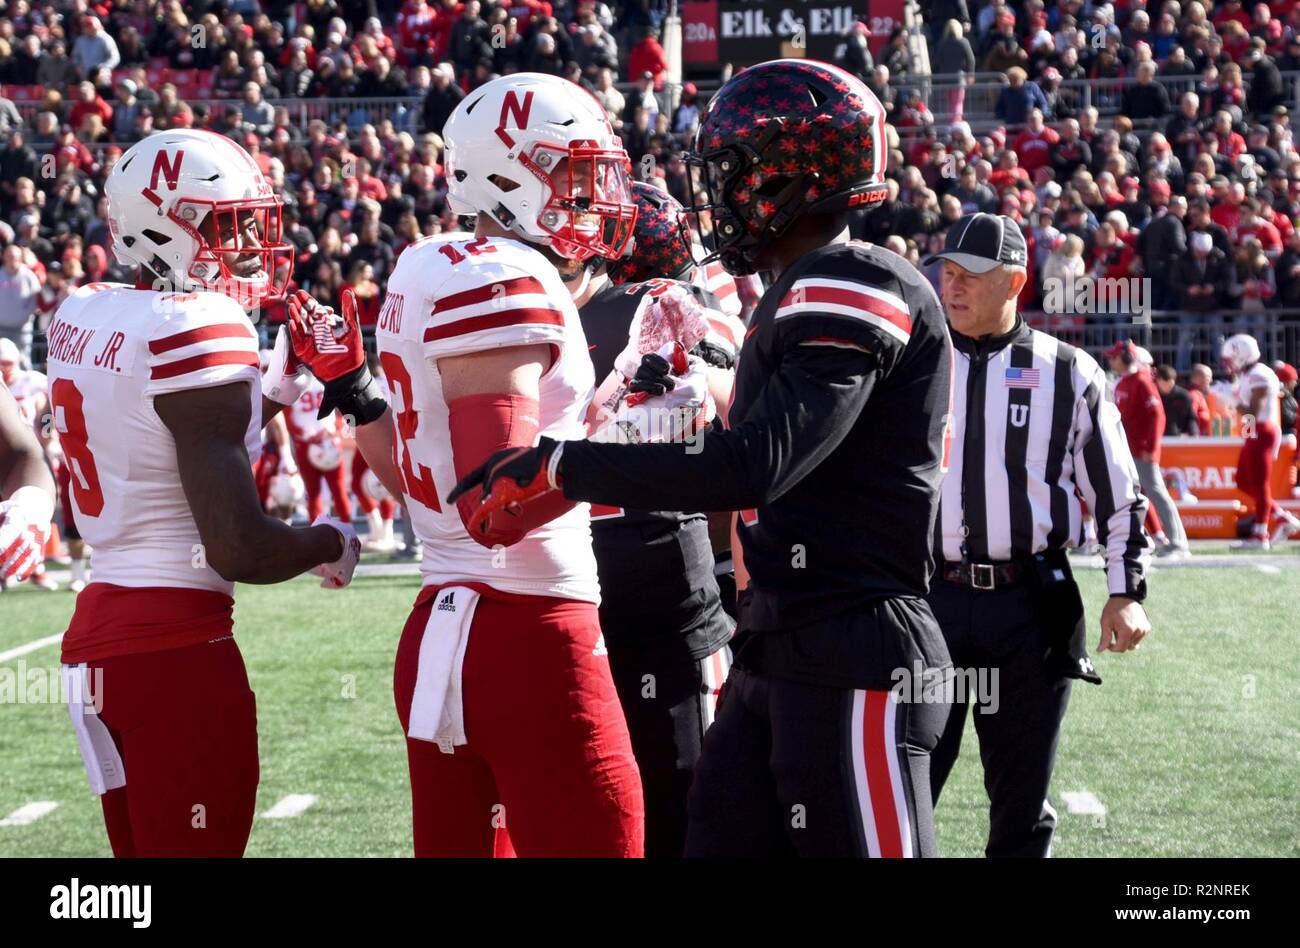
591 347
752 330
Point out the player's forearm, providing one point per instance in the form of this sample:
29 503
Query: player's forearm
26 469
268 551
270 411
375 442
240 541
22 463
798 421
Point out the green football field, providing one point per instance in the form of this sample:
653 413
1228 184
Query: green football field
1190 748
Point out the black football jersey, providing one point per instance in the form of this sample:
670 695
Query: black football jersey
656 567
833 456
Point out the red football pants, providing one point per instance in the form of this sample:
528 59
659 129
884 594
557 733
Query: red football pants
185 723
312 476
549 754
367 503
1255 472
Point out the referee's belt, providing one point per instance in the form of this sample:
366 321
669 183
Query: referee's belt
988 576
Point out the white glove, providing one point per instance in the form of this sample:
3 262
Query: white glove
674 416
24 526
338 574
285 379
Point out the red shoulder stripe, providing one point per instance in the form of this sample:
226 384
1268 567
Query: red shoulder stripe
202 334
205 360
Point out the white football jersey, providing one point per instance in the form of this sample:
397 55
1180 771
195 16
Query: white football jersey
111 350
1260 376
454 296
30 390
304 426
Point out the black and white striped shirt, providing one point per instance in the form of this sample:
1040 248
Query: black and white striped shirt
1032 422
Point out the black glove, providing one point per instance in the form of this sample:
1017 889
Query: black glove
720 357
653 376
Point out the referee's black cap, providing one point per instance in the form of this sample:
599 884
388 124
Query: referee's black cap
981 242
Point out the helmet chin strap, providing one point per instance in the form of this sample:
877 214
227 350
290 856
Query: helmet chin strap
581 288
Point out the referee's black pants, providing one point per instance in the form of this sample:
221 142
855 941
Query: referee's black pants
999 629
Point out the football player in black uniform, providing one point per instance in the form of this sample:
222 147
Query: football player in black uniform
663 622
834 455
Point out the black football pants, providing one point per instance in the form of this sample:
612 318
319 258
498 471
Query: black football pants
669 700
998 629
791 769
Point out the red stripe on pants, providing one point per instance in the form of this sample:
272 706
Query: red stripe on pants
876 754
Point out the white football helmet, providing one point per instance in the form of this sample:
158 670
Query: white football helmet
194 208
1240 352
287 490
324 454
373 486
507 140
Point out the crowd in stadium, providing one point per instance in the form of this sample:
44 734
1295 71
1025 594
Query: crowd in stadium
1196 193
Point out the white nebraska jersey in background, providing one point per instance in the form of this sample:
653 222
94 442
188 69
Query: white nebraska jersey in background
304 426
449 297
1259 376
29 389
112 349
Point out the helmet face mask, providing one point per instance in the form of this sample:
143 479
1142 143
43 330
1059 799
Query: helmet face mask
242 254
781 140
588 209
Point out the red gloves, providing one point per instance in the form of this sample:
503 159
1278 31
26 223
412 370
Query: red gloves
327 343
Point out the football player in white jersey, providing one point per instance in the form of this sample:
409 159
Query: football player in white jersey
1257 392
159 406
318 454
30 390
26 494
502 681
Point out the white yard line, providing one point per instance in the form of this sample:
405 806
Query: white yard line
29 813
30 647
1083 803
295 804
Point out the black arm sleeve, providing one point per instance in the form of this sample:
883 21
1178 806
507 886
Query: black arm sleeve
801 416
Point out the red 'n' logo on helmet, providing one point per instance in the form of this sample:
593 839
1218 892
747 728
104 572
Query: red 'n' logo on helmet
169 170
511 106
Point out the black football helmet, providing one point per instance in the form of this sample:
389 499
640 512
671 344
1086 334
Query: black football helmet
661 243
782 139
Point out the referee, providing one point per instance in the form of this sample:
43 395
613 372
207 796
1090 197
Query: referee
1031 425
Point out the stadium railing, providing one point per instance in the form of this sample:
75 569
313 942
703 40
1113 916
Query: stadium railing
980 91
1175 337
